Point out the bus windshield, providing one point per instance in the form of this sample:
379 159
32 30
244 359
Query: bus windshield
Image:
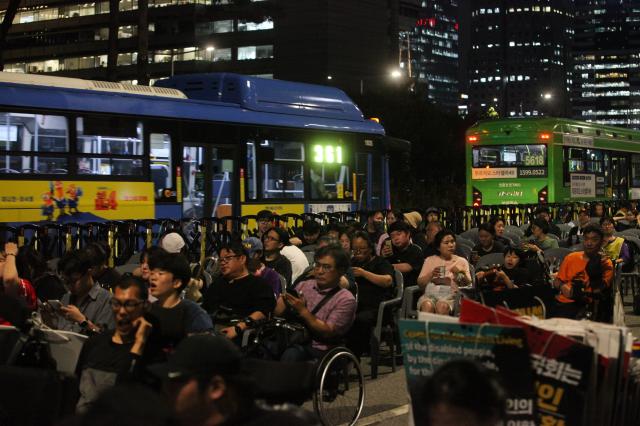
510 156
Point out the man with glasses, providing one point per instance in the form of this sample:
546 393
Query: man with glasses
265 221
273 241
114 356
374 278
325 308
237 293
85 307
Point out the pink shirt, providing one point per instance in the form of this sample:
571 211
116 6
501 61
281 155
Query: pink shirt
340 311
431 262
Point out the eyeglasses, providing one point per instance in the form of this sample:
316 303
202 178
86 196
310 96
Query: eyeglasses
359 251
323 266
270 238
227 259
129 305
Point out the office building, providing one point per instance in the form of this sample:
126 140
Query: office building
606 56
519 57
341 42
433 52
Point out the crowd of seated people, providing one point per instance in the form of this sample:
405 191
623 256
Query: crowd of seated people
135 321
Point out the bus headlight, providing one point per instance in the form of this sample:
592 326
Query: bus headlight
477 197
543 195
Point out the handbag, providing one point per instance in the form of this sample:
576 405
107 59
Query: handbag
297 332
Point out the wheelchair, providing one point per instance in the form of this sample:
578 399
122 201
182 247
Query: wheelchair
335 382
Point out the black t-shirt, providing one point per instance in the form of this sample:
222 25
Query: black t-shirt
369 294
171 325
496 248
101 353
281 265
243 296
412 255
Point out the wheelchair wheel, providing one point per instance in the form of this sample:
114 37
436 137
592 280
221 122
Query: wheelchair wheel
339 393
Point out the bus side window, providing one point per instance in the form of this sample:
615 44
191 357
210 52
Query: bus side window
38 138
160 162
113 146
282 167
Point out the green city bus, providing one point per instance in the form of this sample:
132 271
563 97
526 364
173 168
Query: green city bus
550 160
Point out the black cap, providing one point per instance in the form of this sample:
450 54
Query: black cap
432 210
201 355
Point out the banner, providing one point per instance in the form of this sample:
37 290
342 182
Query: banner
563 367
428 345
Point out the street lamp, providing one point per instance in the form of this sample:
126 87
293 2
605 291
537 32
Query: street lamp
547 98
396 74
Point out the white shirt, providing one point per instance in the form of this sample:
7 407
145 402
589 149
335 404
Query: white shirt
297 258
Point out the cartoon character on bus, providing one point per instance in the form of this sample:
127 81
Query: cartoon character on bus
73 197
47 205
57 190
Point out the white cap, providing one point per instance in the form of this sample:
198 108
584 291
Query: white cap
172 242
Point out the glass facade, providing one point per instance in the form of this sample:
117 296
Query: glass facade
433 47
182 42
607 62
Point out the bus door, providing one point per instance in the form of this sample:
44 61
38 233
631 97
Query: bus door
620 176
208 180
371 171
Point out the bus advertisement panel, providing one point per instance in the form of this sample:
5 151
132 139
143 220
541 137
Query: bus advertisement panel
75 201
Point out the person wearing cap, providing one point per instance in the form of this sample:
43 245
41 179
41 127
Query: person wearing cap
114 356
575 234
173 243
403 255
253 247
176 318
432 214
236 290
265 221
414 220
336 306
208 382
273 241
544 214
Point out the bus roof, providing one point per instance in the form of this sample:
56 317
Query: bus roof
552 124
308 107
